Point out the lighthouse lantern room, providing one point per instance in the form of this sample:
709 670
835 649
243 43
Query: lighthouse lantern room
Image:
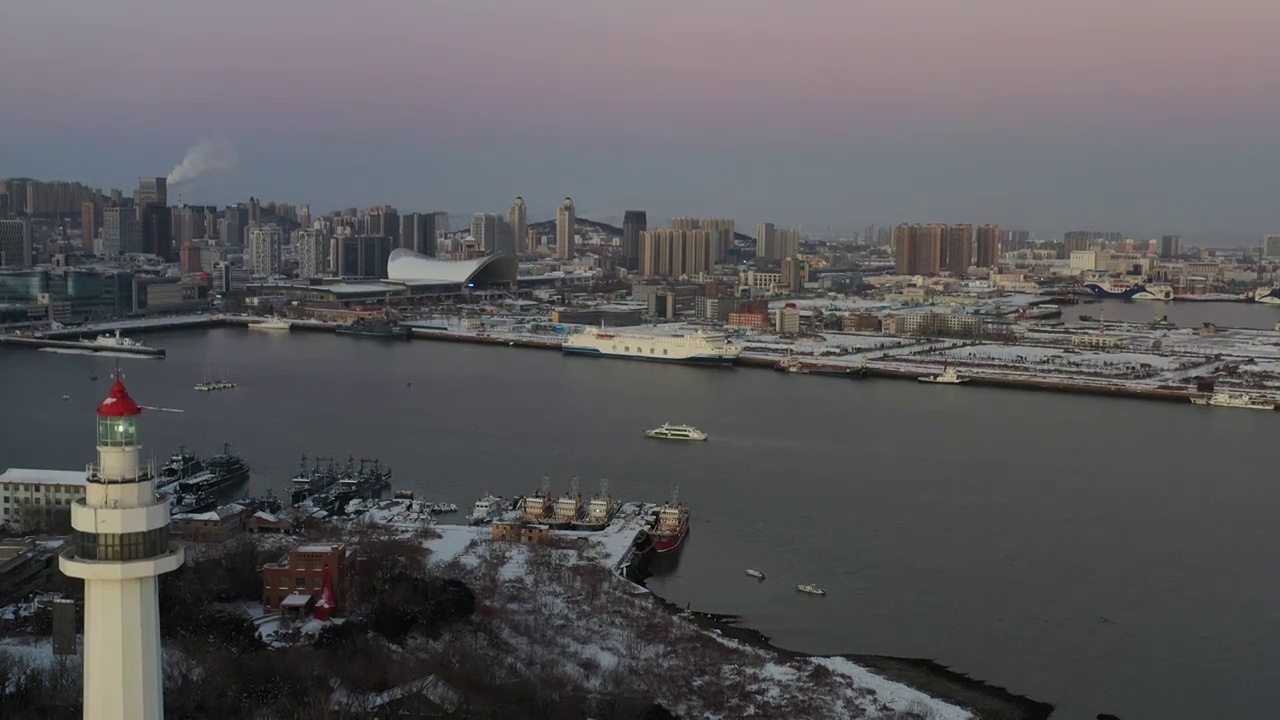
121 546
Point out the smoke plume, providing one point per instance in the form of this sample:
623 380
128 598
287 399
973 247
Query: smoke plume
211 153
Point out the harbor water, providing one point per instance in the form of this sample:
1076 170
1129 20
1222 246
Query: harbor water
1103 555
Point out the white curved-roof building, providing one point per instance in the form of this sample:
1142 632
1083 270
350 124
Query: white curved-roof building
407 266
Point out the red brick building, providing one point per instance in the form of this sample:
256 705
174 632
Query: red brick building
299 576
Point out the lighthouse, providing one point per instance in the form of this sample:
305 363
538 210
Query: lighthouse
120 548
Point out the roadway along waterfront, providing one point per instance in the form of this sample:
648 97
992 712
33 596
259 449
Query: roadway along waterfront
1082 552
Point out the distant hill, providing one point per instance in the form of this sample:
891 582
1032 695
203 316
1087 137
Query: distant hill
548 227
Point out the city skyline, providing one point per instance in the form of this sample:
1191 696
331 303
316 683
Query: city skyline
1147 119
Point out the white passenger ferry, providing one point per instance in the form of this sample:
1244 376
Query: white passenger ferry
667 431
697 347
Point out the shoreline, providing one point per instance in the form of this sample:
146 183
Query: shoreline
983 699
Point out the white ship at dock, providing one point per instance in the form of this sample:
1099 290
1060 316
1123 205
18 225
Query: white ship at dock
697 347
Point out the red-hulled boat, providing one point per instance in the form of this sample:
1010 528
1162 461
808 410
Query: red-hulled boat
670 527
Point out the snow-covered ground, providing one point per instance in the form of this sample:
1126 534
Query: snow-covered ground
560 612
1064 360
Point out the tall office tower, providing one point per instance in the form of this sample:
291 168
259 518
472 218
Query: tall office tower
1076 240
788 243
408 231
255 211
361 256
566 221
634 222
957 251
1170 246
151 190
117 196
189 258
90 221
157 229
675 253
989 241
237 219
917 249
121 547
265 242
15 243
766 241
121 233
183 226
518 219
304 215
313 253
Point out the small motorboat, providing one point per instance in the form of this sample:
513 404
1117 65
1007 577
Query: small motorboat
93 376
66 398
756 574
811 589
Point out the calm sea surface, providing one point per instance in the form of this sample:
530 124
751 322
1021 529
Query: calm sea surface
1104 555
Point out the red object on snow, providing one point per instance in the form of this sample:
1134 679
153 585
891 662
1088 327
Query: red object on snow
118 403
324 606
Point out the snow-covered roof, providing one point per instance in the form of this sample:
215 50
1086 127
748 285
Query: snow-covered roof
317 548
295 599
405 265
269 517
217 515
43 477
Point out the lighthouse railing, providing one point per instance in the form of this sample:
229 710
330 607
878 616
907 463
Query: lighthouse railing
146 472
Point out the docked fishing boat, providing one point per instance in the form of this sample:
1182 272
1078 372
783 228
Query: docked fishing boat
756 574
667 431
273 324
536 508
487 509
670 526
948 376
567 508
811 589
1244 400
600 510
790 364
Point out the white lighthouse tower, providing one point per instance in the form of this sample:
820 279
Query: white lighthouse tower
120 548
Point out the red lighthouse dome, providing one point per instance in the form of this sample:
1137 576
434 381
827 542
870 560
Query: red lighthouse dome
118 403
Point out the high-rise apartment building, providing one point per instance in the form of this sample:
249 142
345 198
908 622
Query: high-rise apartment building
385 221
151 190
634 222
265 243
237 220
989 245
313 252
1170 247
518 219
157 229
1271 247
1076 240
90 222
418 233
15 243
917 249
676 253
957 251
566 229
121 233
492 233
766 241
788 243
